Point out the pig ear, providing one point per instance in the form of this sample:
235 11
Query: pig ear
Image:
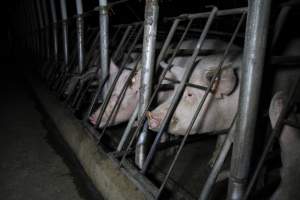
276 106
113 67
227 83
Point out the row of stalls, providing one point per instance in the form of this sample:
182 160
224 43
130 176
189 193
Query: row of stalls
104 63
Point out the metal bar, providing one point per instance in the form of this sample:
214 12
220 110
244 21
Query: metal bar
280 21
150 29
251 77
179 91
104 41
275 133
64 15
127 31
54 29
220 13
46 20
127 129
167 43
217 74
98 91
80 35
213 175
41 38
79 7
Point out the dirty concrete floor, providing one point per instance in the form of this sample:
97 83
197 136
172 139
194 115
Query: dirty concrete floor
30 167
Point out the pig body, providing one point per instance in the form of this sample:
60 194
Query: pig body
220 106
290 152
289 139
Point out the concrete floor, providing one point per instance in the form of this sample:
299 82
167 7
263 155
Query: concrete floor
30 168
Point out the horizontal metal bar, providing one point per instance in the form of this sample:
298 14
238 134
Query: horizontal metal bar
212 32
187 84
233 11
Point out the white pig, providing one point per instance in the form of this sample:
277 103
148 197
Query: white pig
290 152
220 106
131 99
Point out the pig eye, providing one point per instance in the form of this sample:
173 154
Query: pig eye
190 94
209 75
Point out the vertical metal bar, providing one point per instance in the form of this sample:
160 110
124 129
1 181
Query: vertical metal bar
80 35
46 20
253 62
128 129
64 15
280 21
54 29
39 12
127 31
167 42
103 20
212 177
148 62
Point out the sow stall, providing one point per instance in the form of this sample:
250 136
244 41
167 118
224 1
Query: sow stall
74 63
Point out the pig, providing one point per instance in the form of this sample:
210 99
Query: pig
220 106
132 94
289 141
131 99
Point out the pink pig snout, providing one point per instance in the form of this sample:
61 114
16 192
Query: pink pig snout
154 119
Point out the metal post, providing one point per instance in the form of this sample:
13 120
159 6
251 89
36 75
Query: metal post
103 20
54 29
41 43
253 62
46 20
150 30
64 15
80 35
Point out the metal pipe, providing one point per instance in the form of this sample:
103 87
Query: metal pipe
213 175
128 129
41 43
80 35
64 15
167 43
280 21
127 31
148 66
251 77
79 7
54 29
46 20
220 13
104 40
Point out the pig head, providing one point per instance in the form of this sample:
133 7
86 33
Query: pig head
131 98
219 108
